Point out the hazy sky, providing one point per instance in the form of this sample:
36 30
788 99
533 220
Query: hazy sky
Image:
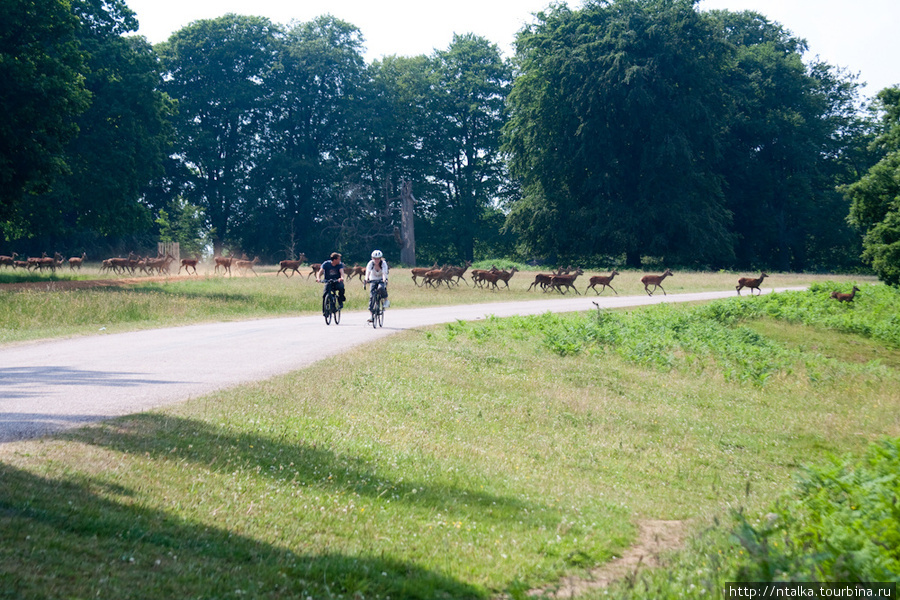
863 35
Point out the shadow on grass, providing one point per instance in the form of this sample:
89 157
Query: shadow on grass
172 438
63 538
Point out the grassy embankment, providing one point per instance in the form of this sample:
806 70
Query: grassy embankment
460 461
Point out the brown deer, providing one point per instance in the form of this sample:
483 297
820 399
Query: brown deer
289 265
246 265
421 272
478 275
655 281
845 297
541 279
75 262
9 261
225 263
749 282
505 276
189 264
602 280
562 283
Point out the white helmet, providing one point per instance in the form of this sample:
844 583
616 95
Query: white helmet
377 254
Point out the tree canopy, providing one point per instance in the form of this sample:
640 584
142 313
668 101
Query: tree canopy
647 128
875 197
626 132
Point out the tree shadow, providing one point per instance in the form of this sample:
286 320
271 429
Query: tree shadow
219 450
63 538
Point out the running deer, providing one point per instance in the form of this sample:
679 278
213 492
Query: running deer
655 281
602 280
845 297
749 282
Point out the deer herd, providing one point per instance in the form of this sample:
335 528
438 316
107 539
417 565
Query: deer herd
561 281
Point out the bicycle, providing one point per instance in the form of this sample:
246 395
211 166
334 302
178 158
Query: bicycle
376 303
331 308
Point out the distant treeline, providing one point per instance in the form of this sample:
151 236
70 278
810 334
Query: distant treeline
626 132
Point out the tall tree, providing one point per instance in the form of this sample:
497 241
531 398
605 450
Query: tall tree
614 134
219 72
42 94
471 83
312 133
875 198
124 135
784 142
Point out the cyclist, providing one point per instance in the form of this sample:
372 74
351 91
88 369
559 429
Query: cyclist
333 270
377 271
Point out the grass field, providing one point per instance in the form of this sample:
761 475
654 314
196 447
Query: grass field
461 461
47 309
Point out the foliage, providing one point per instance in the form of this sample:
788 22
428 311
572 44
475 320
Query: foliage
840 525
215 69
649 128
43 91
875 208
121 142
183 223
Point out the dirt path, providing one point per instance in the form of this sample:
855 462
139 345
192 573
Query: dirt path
83 284
654 538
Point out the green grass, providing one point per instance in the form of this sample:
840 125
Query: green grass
460 461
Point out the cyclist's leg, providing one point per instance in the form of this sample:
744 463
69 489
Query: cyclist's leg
340 294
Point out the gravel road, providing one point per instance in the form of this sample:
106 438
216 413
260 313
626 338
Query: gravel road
50 386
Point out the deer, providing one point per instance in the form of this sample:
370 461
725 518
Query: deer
244 265
558 282
602 280
749 282
845 297
9 261
75 262
421 272
291 265
478 275
355 271
491 277
505 276
189 264
458 272
435 276
655 281
315 271
225 263
541 279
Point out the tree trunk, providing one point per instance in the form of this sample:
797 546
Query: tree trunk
407 226
633 259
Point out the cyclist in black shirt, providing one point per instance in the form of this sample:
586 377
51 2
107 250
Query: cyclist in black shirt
333 270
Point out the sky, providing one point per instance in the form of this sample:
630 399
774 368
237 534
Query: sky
862 36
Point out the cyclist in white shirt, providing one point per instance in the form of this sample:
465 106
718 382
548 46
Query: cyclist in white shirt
377 275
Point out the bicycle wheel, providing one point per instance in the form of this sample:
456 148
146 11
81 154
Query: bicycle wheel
327 307
337 311
378 316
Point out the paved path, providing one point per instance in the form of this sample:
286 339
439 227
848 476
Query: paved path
49 386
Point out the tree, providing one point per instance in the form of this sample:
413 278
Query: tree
875 198
123 136
42 94
471 84
312 134
219 71
184 223
786 138
614 134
